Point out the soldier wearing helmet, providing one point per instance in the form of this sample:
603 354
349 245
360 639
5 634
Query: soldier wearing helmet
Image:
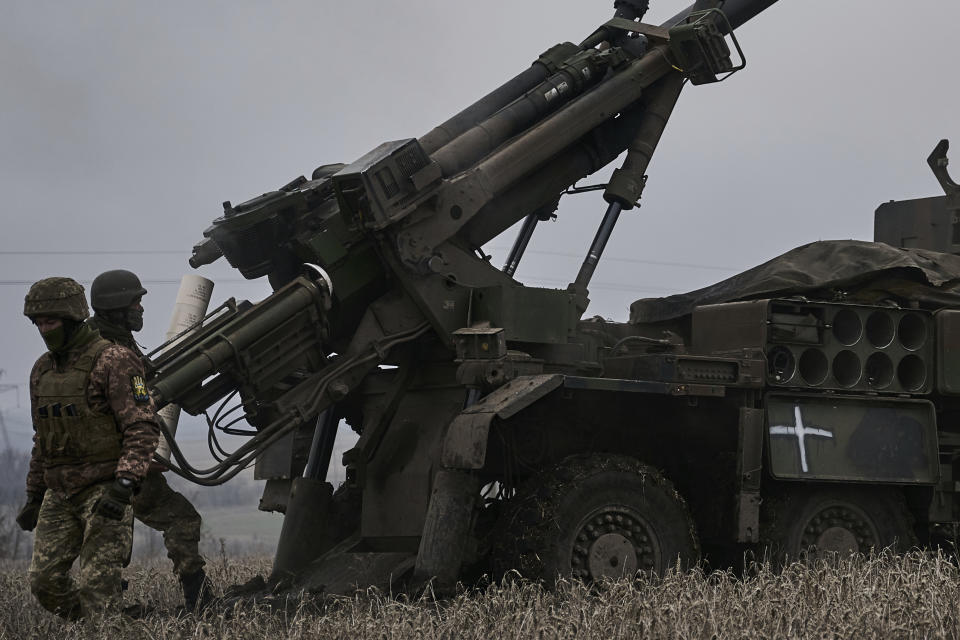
115 297
95 432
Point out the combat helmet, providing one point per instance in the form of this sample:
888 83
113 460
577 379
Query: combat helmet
116 289
56 297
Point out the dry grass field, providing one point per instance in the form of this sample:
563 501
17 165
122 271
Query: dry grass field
917 596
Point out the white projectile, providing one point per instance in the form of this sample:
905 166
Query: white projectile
193 298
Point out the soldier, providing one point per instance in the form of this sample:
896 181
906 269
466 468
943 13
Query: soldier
115 297
95 432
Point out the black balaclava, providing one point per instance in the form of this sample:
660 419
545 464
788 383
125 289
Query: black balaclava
129 318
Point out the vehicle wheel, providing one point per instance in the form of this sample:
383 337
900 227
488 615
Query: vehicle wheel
826 522
592 517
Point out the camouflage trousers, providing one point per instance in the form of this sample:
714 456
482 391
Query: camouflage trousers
68 530
159 507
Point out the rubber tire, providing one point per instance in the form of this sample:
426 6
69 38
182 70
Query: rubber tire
538 529
788 516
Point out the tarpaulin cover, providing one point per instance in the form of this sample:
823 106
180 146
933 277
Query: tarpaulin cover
839 270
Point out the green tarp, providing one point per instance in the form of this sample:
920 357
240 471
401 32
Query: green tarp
838 270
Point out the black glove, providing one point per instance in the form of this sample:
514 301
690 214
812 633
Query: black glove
114 502
27 517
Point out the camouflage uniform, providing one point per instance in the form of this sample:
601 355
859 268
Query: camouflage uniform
157 505
94 427
68 529
110 391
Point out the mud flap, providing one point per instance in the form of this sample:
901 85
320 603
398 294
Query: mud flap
455 488
465 443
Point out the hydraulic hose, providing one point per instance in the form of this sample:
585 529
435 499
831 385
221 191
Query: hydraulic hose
232 464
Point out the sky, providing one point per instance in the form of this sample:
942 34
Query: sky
124 125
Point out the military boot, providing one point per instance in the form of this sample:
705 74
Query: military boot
136 611
70 612
196 591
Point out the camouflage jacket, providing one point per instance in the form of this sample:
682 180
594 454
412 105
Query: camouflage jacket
111 390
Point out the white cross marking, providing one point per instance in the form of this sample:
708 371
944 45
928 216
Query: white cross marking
800 432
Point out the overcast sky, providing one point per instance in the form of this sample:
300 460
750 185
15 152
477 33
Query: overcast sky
124 125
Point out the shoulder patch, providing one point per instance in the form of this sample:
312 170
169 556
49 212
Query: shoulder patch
139 388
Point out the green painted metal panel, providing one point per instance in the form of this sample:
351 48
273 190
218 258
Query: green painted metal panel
852 438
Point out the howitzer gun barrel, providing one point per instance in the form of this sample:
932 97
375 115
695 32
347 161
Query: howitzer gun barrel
588 155
548 138
545 140
737 11
484 107
579 73
531 169
542 68
480 133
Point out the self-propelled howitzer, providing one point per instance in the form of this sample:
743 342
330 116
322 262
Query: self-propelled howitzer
468 389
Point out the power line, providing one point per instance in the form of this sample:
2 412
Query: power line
73 252
567 254
601 286
3 424
563 254
177 282
596 286
531 281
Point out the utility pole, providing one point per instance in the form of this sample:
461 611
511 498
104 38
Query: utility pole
3 424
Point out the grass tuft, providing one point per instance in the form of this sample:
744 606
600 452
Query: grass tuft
884 596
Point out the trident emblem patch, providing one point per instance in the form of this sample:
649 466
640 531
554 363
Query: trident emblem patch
139 389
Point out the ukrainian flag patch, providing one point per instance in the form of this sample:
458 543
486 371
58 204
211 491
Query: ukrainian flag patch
139 389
